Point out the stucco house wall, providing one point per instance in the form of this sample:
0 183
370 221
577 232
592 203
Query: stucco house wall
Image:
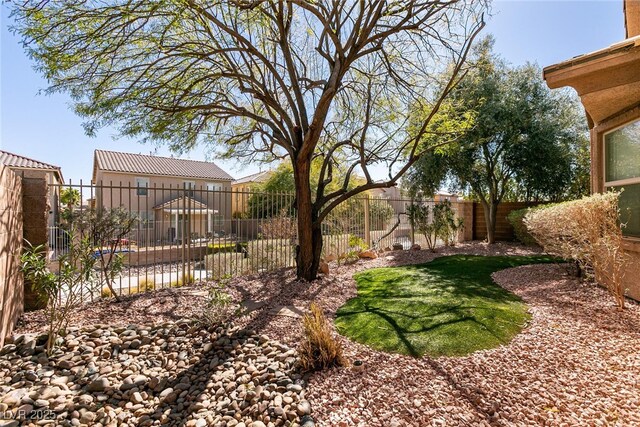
11 281
608 83
162 205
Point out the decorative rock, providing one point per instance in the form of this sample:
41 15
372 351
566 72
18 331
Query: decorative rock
331 257
88 417
324 268
303 408
307 421
179 372
368 254
137 397
14 397
99 384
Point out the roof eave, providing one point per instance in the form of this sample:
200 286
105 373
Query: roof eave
607 80
553 74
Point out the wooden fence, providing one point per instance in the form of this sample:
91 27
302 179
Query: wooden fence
504 230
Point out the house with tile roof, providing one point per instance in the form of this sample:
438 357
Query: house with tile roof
242 188
172 197
608 83
36 173
31 168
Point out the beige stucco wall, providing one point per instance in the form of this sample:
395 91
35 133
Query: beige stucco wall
631 281
240 197
119 190
11 282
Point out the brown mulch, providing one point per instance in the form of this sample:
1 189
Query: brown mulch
576 363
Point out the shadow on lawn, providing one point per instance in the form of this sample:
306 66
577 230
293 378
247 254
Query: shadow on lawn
449 306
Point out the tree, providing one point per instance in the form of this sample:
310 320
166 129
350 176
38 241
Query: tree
274 196
69 197
517 139
261 79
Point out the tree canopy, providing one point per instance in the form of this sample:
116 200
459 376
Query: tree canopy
514 139
261 79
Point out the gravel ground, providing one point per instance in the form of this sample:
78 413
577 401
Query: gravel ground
175 374
576 363
150 308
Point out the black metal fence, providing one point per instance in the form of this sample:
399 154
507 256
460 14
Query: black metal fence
186 234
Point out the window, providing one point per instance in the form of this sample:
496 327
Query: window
212 186
142 185
145 219
189 187
218 220
622 171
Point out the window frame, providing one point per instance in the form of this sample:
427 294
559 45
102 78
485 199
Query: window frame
606 185
189 187
142 190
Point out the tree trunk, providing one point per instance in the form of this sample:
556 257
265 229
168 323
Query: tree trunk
490 212
309 229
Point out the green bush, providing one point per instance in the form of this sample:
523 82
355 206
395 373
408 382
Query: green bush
435 222
219 307
520 231
227 247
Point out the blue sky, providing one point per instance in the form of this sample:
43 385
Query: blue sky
45 127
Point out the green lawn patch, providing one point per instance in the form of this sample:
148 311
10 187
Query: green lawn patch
447 307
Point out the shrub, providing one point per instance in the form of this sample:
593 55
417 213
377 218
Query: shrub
446 223
108 229
146 285
62 291
219 306
516 219
281 226
229 247
587 231
437 222
185 279
105 292
319 349
132 290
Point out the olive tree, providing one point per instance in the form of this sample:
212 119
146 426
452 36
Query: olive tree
261 79
519 140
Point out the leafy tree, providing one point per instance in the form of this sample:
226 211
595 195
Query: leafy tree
274 196
516 140
333 81
69 197
435 222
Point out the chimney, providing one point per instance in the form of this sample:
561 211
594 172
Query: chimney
632 18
